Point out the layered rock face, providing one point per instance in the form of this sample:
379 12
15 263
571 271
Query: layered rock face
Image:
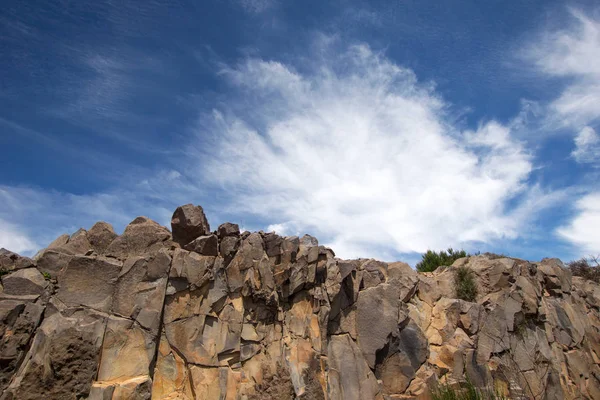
228 315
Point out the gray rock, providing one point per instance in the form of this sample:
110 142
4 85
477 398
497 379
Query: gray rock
377 311
349 375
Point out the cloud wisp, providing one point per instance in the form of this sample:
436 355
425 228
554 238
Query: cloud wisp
587 147
355 149
573 54
583 229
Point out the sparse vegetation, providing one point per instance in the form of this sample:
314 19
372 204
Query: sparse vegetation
465 284
47 276
432 260
588 268
3 272
465 391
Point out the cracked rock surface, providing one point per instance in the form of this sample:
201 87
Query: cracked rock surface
231 315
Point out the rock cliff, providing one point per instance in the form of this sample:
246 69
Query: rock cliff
201 314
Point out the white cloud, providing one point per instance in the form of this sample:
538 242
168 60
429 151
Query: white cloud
587 146
32 217
13 239
583 229
354 149
574 54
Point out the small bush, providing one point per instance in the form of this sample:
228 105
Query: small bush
466 391
431 260
465 284
47 276
586 268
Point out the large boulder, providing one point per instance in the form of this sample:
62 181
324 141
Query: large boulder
10 261
28 281
189 222
142 236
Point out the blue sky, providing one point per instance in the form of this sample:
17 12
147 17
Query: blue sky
384 128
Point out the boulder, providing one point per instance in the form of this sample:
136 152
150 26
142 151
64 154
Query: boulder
142 236
206 245
10 261
28 281
101 236
228 229
189 222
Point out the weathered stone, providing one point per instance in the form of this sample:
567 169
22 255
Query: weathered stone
265 317
18 322
90 282
247 257
196 269
101 236
10 261
171 375
28 281
63 358
127 351
557 279
53 262
228 229
407 278
188 223
349 375
273 244
374 327
140 290
205 245
142 236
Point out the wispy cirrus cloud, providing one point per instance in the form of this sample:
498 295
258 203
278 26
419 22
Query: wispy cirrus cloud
582 230
571 53
587 147
355 149
31 217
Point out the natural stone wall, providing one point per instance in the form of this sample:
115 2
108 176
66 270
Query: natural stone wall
230 315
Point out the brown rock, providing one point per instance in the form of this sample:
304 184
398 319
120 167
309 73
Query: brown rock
228 229
10 261
90 282
189 222
205 245
101 236
142 236
28 281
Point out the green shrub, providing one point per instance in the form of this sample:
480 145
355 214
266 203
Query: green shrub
47 276
586 268
465 284
431 260
466 391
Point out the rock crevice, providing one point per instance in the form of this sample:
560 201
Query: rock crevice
238 315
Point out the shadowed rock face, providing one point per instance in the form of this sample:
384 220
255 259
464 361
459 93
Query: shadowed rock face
225 315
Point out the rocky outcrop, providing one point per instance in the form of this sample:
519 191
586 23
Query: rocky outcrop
230 315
